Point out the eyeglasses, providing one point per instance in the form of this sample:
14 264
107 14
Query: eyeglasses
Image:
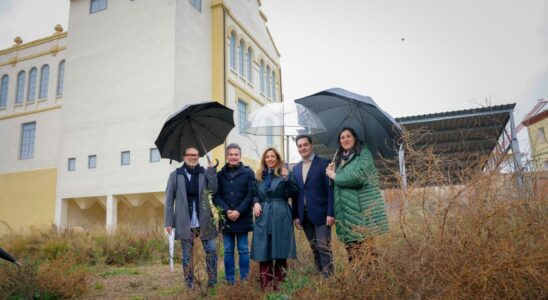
191 155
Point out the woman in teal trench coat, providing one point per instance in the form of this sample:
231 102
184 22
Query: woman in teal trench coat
273 237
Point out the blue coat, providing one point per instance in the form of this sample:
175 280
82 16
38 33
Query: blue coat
319 194
235 192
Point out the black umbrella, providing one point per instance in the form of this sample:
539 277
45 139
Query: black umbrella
5 255
338 108
203 126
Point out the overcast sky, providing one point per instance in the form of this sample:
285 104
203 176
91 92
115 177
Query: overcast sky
411 57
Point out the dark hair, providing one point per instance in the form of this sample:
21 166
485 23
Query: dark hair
233 146
357 146
303 136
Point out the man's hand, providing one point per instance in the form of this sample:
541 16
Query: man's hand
233 215
297 223
329 221
168 229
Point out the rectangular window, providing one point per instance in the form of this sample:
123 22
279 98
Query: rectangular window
71 164
546 165
242 116
269 137
541 137
97 5
28 132
154 155
92 161
125 158
197 4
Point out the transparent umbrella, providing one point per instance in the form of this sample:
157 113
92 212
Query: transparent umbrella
283 118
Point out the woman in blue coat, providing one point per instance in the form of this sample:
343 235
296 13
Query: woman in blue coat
273 237
234 198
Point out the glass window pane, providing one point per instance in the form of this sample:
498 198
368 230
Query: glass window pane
4 91
125 158
71 164
61 78
242 115
154 155
44 80
20 91
31 93
92 161
27 140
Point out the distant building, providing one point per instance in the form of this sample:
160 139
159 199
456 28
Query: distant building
537 128
80 111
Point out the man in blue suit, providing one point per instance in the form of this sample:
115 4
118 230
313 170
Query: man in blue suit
313 209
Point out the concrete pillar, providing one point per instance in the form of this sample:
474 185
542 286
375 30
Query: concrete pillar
112 213
61 213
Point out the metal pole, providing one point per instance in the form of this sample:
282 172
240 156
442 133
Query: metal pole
515 151
403 174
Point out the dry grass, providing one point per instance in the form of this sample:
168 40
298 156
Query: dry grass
484 239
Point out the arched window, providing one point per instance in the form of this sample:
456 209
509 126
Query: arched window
233 51
267 75
4 91
261 75
44 80
241 58
20 90
273 86
61 78
249 65
31 92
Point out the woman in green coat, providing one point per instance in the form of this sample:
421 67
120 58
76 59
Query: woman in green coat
273 238
359 206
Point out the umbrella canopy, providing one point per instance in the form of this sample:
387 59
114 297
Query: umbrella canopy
5 255
203 126
338 108
283 118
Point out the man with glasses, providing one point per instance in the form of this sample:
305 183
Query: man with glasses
188 212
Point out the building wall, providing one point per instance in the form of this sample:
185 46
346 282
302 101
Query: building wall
539 148
121 84
27 199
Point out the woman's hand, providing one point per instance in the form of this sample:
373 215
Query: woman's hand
257 209
284 173
330 171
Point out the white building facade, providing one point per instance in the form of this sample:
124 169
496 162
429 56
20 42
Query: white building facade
125 67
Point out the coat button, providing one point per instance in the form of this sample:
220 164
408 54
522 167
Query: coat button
232 193
231 181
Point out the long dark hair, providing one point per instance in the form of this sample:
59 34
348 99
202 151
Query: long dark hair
357 145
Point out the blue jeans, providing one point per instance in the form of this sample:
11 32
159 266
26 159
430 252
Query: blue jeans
210 250
243 253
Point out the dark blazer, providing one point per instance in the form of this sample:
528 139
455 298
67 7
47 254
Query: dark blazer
319 194
235 192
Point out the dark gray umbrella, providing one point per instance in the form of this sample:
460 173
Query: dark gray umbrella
338 108
203 126
5 255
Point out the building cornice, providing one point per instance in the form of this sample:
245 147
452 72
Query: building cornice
24 113
16 47
245 91
15 59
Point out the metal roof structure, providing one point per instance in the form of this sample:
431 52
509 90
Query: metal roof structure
462 141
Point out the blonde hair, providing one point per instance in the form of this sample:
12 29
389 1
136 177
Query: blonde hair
263 166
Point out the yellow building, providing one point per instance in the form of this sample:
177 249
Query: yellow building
78 138
537 128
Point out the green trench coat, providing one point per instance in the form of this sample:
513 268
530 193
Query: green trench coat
273 236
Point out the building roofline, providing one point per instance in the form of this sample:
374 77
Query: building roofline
457 114
536 118
55 36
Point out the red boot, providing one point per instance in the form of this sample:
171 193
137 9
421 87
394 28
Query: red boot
266 276
280 266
